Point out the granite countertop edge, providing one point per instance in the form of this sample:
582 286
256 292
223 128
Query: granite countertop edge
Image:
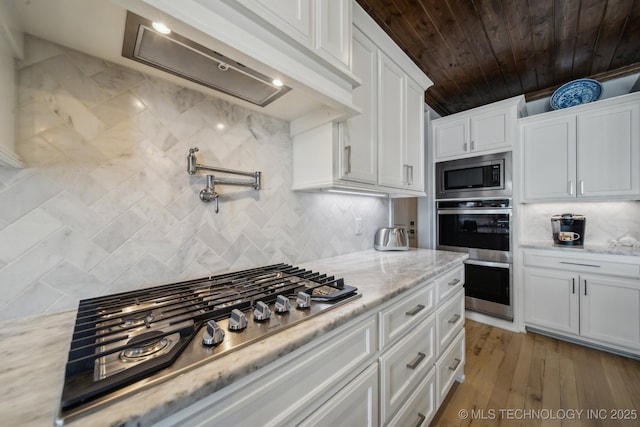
379 276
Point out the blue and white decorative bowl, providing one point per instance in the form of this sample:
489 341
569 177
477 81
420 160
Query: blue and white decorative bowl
576 92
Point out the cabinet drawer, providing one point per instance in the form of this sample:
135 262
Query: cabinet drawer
420 408
307 380
354 405
449 283
449 367
449 320
406 314
584 263
404 365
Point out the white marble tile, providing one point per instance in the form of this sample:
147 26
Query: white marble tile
34 85
121 260
73 178
24 196
154 271
34 118
72 144
128 281
75 214
25 232
72 281
157 216
119 231
116 171
87 64
163 106
187 123
119 140
118 108
115 79
36 152
75 114
150 241
115 202
74 81
187 253
34 300
74 248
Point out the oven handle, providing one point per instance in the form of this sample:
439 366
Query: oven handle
488 263
477 211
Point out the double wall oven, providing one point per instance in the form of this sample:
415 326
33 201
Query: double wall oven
474 215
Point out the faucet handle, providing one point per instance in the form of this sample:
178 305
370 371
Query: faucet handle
193 150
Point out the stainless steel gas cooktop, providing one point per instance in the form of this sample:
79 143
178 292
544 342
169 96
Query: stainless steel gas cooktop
124 342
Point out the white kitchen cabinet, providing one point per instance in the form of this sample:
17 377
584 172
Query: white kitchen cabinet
358 159
610 310
450 367
420 407
587 152
382 149
323 26
354 405
488 129
294 386
587 297
404 366
551 300
392 149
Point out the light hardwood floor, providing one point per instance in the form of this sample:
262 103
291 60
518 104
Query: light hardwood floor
531 380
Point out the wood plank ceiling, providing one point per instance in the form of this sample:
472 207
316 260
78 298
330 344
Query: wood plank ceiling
482 51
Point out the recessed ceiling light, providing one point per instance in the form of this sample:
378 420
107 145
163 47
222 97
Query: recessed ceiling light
161 28
277 82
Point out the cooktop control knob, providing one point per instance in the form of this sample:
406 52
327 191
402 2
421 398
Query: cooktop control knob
237 321
303 300
213 335
262 312
283 304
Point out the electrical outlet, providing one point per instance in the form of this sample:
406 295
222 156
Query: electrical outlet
358 226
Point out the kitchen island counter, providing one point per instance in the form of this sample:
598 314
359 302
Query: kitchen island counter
32 385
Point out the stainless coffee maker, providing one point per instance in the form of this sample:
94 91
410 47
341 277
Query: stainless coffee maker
568 229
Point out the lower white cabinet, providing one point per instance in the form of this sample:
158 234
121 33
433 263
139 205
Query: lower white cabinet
450 367
421 405
404 366
354 405
382 368
291 388
564 295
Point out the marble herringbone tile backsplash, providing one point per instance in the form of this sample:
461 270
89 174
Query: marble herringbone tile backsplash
105 203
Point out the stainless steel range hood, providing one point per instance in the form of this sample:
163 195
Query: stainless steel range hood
184 58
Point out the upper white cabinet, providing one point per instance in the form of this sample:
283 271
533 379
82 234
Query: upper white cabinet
591 151
382 149
324 26
487 129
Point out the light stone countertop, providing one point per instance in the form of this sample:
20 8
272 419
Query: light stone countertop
34 351
595 248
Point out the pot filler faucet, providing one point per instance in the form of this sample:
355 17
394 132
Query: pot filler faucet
208 194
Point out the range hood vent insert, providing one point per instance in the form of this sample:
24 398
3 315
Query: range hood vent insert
184 58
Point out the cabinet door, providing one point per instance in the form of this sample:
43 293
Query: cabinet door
354 405
415 136
610 310
359 141
609 152
334 29
391 121
549 159
551 300
451 138
491 131
291 17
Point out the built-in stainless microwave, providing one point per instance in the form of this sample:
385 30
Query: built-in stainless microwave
474 177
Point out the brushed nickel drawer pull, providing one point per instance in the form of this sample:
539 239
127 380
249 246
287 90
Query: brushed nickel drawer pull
418 308
577 263
453 368
421 419
573 285
348 150
454 282
454 319
419 358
